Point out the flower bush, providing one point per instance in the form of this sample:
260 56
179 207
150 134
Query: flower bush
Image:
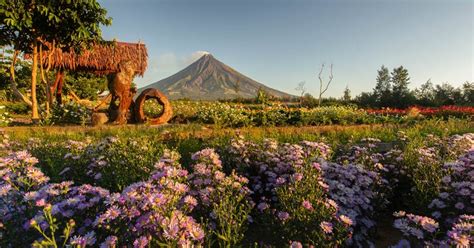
69 113
112 162
275 114
250 193
223 200
5 118
154 212
35 209
452 212
288 185
360 196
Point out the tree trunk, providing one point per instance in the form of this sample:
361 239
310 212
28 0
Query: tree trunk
49 100
59 89
34 72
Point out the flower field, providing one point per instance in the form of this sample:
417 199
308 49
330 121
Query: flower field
241 115
427 111
239 190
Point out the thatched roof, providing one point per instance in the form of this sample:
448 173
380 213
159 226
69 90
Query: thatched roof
100 58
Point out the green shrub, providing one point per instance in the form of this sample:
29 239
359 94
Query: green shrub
69 113
20 108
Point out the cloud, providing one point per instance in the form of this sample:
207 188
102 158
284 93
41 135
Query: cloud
169 61
167 64
193 57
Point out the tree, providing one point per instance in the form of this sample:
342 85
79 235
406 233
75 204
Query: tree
262 96
425 94
322 88
301 88
309 101
468 93
31 26
383 88
347 94
444 94
366 99
402 96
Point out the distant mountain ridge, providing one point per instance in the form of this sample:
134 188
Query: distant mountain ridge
209 79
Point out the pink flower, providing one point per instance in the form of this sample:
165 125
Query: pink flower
317 166
326 226
41 203
306 204
346 220
298 176
191 201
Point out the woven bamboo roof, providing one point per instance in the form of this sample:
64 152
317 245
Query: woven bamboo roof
100 58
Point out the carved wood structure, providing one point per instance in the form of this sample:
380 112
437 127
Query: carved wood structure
121 62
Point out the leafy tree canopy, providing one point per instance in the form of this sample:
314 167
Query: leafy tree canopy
67 23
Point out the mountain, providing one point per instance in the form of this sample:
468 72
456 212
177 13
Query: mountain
209 79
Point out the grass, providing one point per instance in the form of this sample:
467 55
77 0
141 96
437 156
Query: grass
189 138
173 132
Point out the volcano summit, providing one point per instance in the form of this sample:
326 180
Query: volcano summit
209 79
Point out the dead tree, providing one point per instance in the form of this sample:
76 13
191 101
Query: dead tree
321 83
301 88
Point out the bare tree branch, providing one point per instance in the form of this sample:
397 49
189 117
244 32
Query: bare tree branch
330 80
321 83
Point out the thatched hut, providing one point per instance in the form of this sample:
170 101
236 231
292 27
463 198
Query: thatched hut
100 58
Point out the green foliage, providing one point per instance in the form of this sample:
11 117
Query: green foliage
221 115
309 101
22 73
347 95
383 89
17 107
48 233
152 108
262 97
112 163
401 95
85 85
67 23
69 113
5 118
392 91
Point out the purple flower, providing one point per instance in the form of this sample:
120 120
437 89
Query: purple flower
283 216
110 242
459 205
262 206
141 242
295 244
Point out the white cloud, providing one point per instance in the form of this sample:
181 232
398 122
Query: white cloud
169 60
166 65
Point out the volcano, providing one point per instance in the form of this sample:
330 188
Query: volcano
209 79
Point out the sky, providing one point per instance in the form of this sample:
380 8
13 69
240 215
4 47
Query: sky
281 42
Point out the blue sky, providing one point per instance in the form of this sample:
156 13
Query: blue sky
282 42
